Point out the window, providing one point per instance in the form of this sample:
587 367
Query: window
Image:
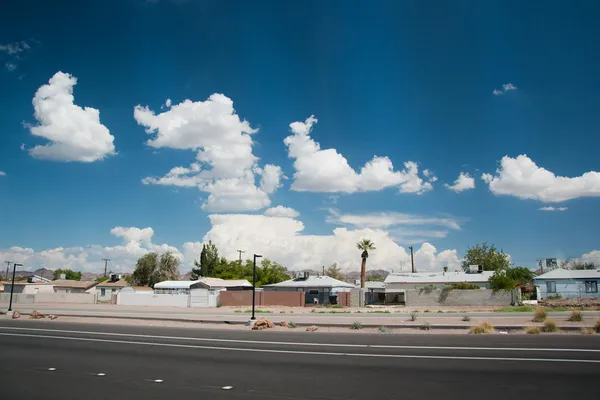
551 286
314 291
114 290
102 292
591 286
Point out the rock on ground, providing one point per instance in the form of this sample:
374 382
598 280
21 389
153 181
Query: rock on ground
36 315
284 324
16 315
312 328
263 323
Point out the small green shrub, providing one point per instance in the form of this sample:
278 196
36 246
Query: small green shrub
292 324
218 306
555 297
532 330
576 316
466 318
550 326
413 316
440 312
356 325
313 311
427 311
383 329
426 326
539 315
463 286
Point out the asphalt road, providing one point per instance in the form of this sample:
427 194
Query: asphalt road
54 360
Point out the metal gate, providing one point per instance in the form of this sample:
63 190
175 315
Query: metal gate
199 298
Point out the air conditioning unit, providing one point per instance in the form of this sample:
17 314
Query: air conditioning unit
475 269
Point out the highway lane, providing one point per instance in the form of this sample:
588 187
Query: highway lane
192 363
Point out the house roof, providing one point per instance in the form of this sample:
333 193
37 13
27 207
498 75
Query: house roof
560 273
140 288
66 283
438 277
175 284
374 285
218 282
210 282
120 283
312 281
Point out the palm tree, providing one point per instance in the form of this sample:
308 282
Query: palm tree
365 245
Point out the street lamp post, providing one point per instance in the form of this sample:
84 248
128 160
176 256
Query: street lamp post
254 285
12 287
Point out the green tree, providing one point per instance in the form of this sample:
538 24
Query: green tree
152 268
375 278
365 245
209 258
267 272
335 272
70 275
509 278
488 256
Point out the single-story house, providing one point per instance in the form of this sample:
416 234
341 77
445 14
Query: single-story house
417 280
568 283
29 288
70 286
106 289
214 284
318 289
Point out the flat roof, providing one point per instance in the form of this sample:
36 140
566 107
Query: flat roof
312 281
439 277
561 273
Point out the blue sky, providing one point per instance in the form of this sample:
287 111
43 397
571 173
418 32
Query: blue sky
408 81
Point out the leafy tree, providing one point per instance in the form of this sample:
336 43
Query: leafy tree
267 272
446 269
576 264
151 269
209 258
70 275
101 279
509 278
334 271
375 278
365 245
488 256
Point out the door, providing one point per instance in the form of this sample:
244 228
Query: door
199 298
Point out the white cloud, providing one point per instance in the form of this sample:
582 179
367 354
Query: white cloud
592 256
136 243
549 208
462 183
2 173
225 166
10 66
14 49
327 170
522 178
281 240
75 133
507 87
281 212
389 219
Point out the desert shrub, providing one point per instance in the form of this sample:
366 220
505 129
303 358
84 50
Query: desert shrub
292 324
555 297
597 326
539 315
426 326
485 327
550 326
533 330
463 286
413 316
588 331
356 325
576 316
466 318
383 329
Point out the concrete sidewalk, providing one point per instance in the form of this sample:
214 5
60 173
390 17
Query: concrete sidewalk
228 316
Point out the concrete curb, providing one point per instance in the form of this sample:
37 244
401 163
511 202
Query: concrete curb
323 325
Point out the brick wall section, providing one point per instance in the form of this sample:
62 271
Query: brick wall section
237 298
439 297
344 299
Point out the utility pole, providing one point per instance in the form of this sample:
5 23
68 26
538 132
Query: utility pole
412 259
7 268
323 270
241 251
106 260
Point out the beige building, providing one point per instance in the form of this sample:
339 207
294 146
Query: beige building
29 288
70 286
106 289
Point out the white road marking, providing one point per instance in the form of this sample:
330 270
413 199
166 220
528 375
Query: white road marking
101 374
51 369
317 353
376 346
227 387
158 381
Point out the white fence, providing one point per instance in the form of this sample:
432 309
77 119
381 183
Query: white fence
73 298
196 298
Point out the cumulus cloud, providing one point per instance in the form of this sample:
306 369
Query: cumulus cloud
318 170
508 87
74 133
281 239
522 178
592 256
550 208
281 212
462 183
136 243
225 166
403 228
2 173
